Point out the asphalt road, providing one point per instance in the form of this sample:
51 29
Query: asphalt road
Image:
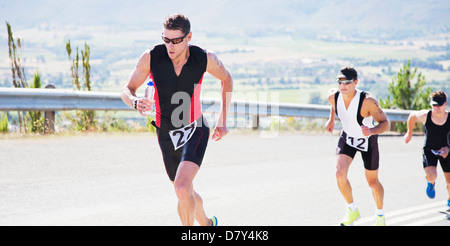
248 179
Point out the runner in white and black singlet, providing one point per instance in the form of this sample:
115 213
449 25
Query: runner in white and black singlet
437 140
357 110
177 70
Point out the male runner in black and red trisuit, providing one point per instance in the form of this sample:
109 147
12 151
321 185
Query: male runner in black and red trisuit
177 70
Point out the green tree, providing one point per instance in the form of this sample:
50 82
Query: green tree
405 93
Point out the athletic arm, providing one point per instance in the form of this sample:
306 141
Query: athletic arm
216 68
378 115
445 151
331 120
413 117
137 78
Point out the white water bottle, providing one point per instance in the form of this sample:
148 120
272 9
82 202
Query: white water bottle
149 94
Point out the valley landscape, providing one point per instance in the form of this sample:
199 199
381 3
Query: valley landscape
293 48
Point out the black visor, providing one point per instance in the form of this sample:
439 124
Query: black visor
438 101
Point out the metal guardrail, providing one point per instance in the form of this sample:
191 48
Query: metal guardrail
25 99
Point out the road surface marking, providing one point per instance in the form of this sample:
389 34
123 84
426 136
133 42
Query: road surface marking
410 213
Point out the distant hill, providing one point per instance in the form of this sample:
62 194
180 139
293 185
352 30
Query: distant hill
309 18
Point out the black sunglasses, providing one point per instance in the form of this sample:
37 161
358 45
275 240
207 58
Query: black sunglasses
347 82
174 40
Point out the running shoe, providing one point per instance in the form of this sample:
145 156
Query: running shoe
350 217
380 221
214 221
431 193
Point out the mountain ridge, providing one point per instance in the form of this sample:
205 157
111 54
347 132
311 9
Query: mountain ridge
244 17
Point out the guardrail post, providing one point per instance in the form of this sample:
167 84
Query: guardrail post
392 126
255 122
49 122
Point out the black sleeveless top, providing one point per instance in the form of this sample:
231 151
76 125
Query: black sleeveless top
177 98
436 136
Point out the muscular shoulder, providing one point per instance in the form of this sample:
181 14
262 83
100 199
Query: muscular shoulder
370 100
216 68
213 60
370 105
421 115
146 54
331 94
211 55
144 60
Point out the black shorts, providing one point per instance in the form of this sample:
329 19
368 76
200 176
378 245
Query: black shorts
193 150
430 159
371 158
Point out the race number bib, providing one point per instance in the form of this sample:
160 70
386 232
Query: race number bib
181 136
358 143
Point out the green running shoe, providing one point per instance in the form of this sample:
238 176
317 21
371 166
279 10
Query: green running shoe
380 221
350 217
